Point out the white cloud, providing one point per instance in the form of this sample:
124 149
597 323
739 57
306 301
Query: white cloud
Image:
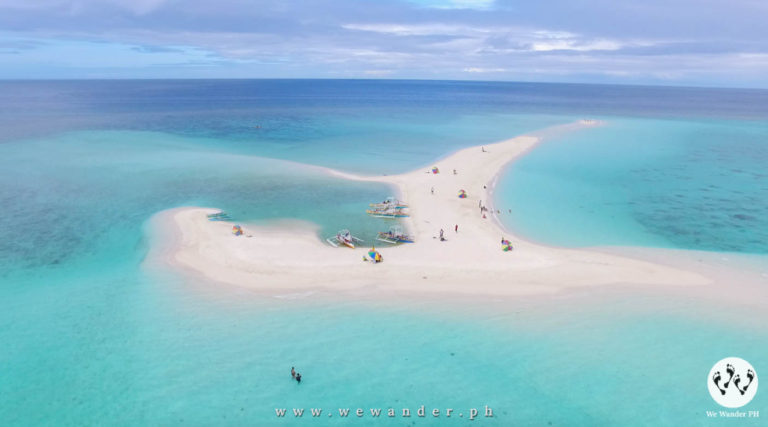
414 29
378 73
522 39
576 45
377 38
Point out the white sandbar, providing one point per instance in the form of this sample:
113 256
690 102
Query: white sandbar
294 258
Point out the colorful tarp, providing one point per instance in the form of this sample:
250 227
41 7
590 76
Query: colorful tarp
374 255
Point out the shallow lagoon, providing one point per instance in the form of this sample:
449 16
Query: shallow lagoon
89 336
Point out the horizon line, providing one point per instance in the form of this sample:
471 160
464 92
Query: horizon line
72 79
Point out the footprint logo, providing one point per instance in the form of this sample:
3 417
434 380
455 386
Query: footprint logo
741 374
730 370
750 378
716 379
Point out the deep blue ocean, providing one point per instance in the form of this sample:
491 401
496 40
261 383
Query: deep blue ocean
89 337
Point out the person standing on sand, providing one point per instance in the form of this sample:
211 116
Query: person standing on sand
456 229
441 235
432 191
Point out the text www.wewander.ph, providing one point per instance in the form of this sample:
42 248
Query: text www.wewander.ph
471 413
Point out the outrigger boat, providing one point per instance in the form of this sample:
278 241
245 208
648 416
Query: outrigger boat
387 212
219 216
343 237
394 236
390 202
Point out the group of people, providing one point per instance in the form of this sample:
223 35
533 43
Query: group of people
296 376
442 232
483 209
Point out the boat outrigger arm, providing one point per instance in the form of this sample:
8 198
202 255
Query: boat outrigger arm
332 241
384 237
219 216
394 236
387 213
343 237
390 202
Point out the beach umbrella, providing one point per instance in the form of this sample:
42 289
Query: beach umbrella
374 255
462 194
435 169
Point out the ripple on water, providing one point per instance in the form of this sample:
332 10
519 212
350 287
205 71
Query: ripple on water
692 185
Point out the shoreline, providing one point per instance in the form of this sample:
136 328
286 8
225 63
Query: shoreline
541 136
470 262
723 299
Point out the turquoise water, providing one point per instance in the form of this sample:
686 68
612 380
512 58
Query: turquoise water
165 351
383 144
89 336
77 202
641 182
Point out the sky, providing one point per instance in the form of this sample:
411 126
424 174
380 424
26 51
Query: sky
667 42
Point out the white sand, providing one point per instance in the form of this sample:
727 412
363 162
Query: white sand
293 257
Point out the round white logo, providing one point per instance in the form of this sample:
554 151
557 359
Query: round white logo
732 382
